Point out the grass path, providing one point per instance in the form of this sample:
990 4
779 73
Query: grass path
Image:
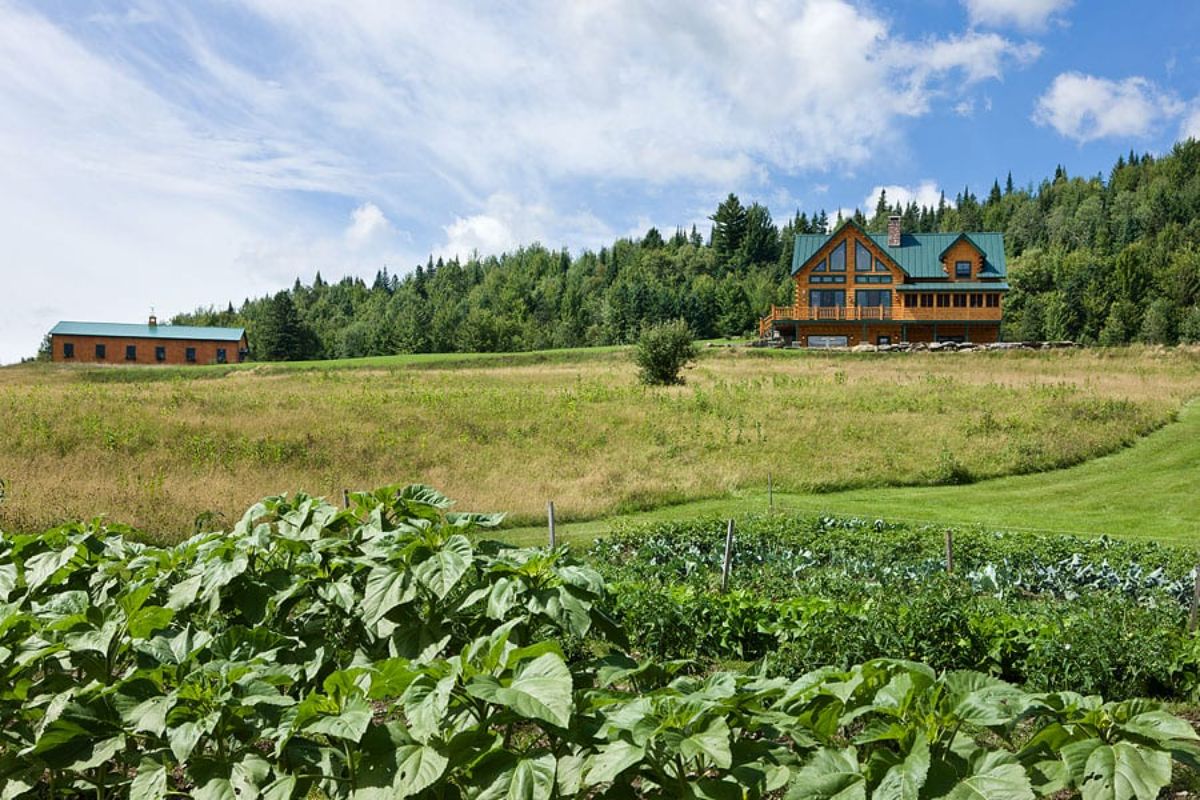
1149 490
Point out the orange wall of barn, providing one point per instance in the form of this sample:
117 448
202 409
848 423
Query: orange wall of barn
85 350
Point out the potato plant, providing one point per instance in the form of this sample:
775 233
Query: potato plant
387 651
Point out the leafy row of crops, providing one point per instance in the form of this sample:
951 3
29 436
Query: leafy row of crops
1093 615
384 651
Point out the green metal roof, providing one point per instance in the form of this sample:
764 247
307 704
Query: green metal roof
919 254
125 331
954 286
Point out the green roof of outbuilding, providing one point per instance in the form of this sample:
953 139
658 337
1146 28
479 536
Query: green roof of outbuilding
127 331
919 254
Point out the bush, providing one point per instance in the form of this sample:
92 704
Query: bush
663 350
1189 326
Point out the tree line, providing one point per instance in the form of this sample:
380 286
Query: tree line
1103 259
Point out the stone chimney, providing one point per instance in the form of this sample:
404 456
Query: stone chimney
893 231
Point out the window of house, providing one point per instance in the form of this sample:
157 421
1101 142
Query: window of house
962 269
160 353
873 297
881 339
960 301
910 301
943 301
837 259
820 267
68 349
827 298
862 258
190 355
101 351
880 266
926 301
993 300
220 355
131 352
872 278
826 278
976 301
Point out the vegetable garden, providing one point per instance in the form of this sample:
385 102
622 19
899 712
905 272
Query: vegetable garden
389 650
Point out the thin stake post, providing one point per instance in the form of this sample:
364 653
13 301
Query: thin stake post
550 520
770 494
345 498
1194 616
949 550
727 563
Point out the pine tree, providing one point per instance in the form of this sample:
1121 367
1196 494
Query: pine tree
1008 184
761 242
729 229
994 195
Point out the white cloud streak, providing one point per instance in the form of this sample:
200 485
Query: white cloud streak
1027 15
1086 108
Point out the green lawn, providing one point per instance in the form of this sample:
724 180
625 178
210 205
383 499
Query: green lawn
1150 490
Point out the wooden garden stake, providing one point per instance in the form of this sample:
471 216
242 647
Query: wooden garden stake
550 518
1195 614
770 494
949 551
345 498
727 564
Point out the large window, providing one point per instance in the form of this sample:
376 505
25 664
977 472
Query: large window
862 257
910 301
160 353
68 349
837 259
827 298
131 352
101 352
873 297
221 355
962 269
190 355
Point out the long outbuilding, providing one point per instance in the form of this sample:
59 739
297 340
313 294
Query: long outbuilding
122 343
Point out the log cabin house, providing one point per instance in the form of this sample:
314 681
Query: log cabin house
118 343
855 287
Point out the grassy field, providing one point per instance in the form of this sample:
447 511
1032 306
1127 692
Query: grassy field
1146 491
158 448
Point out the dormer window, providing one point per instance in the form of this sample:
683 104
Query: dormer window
962 269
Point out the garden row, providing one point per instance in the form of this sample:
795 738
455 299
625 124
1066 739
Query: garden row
1093 615
383 651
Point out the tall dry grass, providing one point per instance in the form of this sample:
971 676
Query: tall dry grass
161 453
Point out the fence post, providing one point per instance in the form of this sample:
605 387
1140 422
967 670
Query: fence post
727 564
550 518
770 494
345 498
949 550
1195 613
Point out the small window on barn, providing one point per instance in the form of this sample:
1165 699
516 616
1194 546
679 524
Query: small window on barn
837 259
68 349
220 355
160 353
926 301
101 351
943 301
962 269
960 301
191 355
131 352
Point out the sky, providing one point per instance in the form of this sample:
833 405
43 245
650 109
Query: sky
171 155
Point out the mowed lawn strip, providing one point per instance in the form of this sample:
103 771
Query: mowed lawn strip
1150 490
168 452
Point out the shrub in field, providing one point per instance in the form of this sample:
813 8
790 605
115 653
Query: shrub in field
384 651
663 350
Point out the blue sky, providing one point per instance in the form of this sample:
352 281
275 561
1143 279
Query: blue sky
171 155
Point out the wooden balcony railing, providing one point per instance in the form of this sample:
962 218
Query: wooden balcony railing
868 313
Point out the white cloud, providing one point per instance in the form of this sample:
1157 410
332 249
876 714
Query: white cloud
194 156
926 193
1030 15
1086 108
1191 124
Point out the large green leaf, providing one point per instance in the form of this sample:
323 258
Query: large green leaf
612 759
527 779
541 690
441 572
905 779
1123 771
350 723
387 587
712 742
394 767
994 776
830 775
425 705
150 783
